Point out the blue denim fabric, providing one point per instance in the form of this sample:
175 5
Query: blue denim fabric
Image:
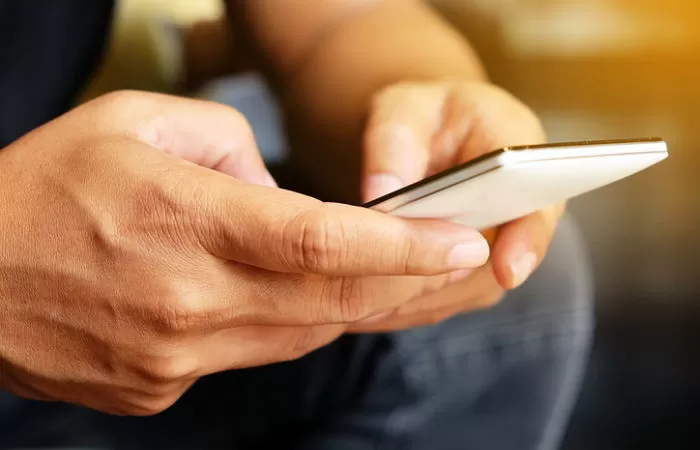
503 378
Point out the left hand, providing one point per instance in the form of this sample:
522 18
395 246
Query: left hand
415 130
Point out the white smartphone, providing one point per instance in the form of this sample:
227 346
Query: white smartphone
515 181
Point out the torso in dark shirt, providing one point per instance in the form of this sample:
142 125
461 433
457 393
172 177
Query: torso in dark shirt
48 51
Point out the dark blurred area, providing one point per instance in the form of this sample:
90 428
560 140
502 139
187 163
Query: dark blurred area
591 69
610 69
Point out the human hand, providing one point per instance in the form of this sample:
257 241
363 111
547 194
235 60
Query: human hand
415 130
129 268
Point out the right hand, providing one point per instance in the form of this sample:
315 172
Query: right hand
129 268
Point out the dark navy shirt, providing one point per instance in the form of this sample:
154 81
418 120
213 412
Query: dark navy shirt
48 51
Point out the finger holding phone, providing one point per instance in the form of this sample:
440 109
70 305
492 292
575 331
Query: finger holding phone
516 196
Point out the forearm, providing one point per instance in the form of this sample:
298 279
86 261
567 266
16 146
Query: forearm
328 69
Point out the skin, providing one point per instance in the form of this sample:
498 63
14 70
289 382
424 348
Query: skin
129 268
143 244
413 102
435 126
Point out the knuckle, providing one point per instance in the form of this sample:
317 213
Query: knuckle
504 106
179 314
318 243
409 253
165 214
161 372
120 100
346 300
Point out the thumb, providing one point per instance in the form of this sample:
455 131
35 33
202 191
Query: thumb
283 231
398 138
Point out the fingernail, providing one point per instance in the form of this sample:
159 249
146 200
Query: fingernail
376 318
470 254
381 184
522 267
459 275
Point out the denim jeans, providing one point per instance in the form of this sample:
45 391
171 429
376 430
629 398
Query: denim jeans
502 378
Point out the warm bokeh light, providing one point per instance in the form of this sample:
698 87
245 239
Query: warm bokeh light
607 69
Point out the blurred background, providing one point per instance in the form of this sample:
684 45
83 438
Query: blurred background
609 69
592 69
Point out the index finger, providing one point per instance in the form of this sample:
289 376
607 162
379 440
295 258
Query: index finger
398 138
522 244
206 133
